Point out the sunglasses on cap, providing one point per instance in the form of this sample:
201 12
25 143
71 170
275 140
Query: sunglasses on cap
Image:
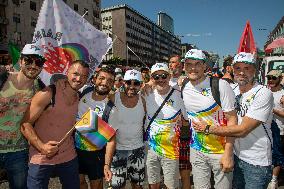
29 60
271 77
134 82
157 77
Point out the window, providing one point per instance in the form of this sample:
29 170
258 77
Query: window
16 2
86 11
76 7
16 18
33 22
33 5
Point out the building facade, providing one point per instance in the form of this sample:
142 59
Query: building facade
186 47
166 22
129 28
278 32
18 18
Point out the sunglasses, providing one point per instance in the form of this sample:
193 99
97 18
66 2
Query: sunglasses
272 78
134 82
157 77
39 62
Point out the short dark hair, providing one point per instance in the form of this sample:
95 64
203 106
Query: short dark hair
81 62
175 55
107 69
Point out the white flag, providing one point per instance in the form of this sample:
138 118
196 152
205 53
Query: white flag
65 37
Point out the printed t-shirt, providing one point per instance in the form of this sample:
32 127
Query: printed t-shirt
257 103
199 103
165 129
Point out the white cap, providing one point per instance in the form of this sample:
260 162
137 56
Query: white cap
132 75
195 54
160 66
117 70
244 57
32 49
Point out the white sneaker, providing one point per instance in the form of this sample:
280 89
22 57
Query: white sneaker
273 185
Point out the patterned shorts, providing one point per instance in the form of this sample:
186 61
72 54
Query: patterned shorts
184 162
128 164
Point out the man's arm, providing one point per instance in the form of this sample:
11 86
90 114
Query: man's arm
227 161
110 148
37 106
278 112
248 124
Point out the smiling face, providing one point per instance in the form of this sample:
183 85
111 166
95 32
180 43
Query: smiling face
175 66
31 65
244 73
132 87
195 69
104 82
161 79
77 76
273 81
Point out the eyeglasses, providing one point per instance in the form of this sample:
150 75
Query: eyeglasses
272 77
157 77
134 82
39 62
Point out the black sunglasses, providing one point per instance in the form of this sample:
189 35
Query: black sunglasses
157 77
135 82
272 77
29 60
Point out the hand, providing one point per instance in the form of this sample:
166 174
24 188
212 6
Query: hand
107 173
50 148
227 163
199 126
147 89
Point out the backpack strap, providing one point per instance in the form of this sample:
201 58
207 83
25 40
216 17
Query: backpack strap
86 90
214 84
184 82
53 91
107 110
4 74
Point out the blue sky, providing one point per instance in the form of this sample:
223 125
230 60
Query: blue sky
213 25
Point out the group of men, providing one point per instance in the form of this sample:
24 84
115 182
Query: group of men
181 123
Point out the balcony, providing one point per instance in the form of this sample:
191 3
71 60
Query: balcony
4 20
4 2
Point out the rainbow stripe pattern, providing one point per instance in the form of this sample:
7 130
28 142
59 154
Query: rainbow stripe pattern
211 144
164 134
76 51
92 132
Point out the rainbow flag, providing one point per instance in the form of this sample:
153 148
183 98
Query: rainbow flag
94 130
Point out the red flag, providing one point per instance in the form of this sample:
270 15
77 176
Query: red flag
247 41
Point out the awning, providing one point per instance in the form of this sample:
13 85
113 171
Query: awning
275 44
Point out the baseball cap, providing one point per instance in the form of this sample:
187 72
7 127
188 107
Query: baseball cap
276 73
117 70
32 49
132 75
160 66
247 58
195 54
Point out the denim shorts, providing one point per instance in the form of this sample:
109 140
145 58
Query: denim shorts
39 175
248 176
16 165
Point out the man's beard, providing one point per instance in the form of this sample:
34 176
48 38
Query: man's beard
243 82
32 77
101 92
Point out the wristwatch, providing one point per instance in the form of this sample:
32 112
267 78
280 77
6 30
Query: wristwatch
206 130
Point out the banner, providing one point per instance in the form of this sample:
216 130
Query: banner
66 36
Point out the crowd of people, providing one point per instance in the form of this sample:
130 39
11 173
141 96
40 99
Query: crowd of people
172 120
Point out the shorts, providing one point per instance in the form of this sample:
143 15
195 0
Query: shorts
184 154
170 169
128 164
91 163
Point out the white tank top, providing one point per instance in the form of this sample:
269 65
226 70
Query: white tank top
129 123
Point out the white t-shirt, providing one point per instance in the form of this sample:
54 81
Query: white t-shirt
199 103
173 82
85 103
277 105
165 129
257 103
129 125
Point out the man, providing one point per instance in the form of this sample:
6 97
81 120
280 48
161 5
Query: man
46 126
176 67
208 152
16 91
274 78
94 162
118 83
228 69
145 74
129 159
163 129
252 148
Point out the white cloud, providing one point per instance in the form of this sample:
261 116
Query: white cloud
198 34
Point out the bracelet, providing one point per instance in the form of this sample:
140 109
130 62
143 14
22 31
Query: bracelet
107 164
